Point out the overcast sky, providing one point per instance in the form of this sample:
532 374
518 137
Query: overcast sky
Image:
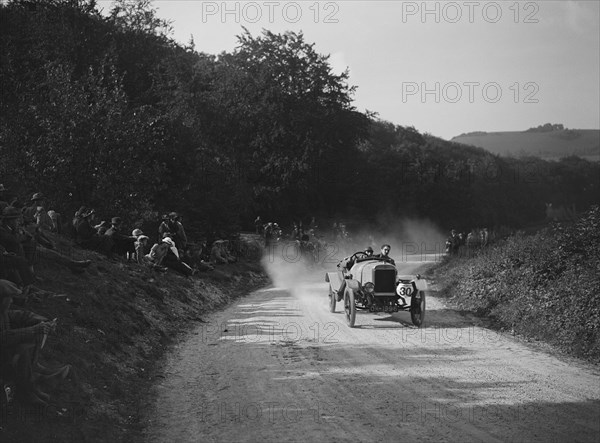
443 67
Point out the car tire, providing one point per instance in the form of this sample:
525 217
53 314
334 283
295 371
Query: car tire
417 309
350 307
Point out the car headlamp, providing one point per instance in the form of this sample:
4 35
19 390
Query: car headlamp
369 287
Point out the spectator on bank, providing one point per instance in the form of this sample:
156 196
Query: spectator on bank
258 225
218 253
56 221
19 241
140 247
87 236
102 227
36 212
158 253
6 199
172 227
174 261
123 245
36 220
14 237
22 337
15 268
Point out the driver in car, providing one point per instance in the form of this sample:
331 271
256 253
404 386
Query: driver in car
385 254
369 251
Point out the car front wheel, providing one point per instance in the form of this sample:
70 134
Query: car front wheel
350 307
417 309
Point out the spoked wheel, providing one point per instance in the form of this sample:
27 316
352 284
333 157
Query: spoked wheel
350 307
332 300
417 309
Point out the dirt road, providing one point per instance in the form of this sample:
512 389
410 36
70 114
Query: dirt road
277 366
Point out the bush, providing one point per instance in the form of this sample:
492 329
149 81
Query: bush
543 286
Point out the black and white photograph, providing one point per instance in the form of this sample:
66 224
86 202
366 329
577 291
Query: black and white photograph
299 221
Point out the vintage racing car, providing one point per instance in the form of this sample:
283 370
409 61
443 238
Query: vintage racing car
373 284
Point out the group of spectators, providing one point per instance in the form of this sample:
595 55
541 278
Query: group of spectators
111 238
24 236
24 230
28 231
309 240
476 238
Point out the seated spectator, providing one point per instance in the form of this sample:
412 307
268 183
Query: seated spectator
87 237
15 268
5 198
216 253
226 249
102 227
157 253
196 257
123 245
36 213
14 238
173 260
140 247
36 220
78 215
56 221
22 336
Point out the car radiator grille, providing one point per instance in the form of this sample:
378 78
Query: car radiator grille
385 280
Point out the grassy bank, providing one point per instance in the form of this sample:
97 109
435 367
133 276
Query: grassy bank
114 324
543 286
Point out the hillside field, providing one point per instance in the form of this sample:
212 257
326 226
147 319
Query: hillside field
551 145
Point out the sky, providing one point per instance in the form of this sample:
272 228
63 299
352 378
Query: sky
444 67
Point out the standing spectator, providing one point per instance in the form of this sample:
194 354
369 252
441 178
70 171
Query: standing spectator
268 232
258 225
175 229
485 236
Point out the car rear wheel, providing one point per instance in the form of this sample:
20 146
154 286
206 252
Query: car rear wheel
350 307
417 308
332 300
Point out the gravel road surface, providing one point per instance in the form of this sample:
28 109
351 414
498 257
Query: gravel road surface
278 366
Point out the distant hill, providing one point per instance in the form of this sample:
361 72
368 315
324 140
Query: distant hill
550 142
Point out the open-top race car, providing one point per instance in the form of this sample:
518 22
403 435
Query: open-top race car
372 283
